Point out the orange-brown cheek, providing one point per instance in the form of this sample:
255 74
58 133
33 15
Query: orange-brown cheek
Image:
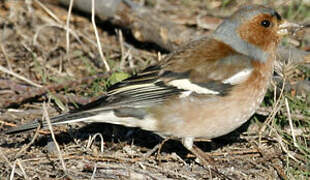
257 35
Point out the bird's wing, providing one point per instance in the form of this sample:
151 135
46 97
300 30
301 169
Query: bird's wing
209 67
124 99
212 74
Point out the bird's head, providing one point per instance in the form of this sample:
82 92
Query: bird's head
254 31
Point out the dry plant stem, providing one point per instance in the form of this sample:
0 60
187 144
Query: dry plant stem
129 55
80 157
14 86
265 112
97 37
159 56
233 153
128 170
207 161
7 124
291 123
145 25
92 139
289 154
61 26
279 170
149 26
29 5
76 35
54 87
49 12
94 172
125 56
307 59
6 57
67 29
179 158
8 162
71 98
169 171
46 117
19 163
275 110
150 152
270 157
30 143
109 158
13 171
5 70
121 43
159 149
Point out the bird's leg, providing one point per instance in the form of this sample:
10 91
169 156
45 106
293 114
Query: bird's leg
204 159
157 147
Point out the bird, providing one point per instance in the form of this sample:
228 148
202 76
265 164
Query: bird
205 89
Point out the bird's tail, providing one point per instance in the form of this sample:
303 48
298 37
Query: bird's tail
60 119
131 117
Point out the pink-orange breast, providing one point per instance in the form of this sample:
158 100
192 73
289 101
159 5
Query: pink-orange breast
213 116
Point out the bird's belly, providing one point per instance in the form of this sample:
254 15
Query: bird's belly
209 119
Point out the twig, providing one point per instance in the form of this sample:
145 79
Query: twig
76 34
125 56
159 56
6 57
71 98
271 157
14 86
121 44
8 162
159 149
61 26
290 122
13 171
150 152
94 172
129 57
31 142
265 112
169 171
307 59
54 87
7 124
279 139
46 117
29 5
97 37
49 12
279 170
67 29
5 70
22 169
35 37
275 110
92 139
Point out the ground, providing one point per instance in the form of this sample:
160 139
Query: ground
36 68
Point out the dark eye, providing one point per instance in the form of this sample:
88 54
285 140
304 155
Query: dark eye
265 23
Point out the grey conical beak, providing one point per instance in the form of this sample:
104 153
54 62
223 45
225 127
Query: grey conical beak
286 27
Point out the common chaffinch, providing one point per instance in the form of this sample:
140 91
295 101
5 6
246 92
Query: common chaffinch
205 89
